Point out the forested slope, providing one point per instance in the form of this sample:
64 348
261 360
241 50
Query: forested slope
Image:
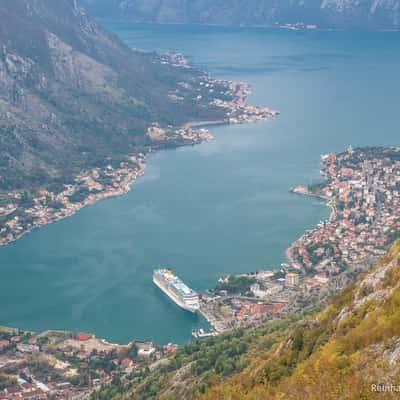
73 96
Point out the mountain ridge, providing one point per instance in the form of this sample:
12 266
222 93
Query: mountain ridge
73 95
325 14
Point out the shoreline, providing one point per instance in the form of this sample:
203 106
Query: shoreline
345 237
363 219
302 190
90 200
20 216
122 179
202 124
273 27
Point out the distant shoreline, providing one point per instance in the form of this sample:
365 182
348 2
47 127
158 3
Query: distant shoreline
244 27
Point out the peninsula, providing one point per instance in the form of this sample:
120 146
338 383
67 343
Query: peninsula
362 188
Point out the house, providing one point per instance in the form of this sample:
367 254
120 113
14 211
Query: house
4 344
34 395
170 348
256 309
292 279
96 382
33 340
27 348
27 386
83 337
145 349
275 308
65 394
13 390
126 363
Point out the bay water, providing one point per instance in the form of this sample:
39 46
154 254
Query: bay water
216 208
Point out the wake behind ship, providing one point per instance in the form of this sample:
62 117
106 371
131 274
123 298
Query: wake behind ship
176 290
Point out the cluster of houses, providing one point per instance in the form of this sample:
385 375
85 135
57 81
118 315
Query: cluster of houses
47 206
241 113
61 365
363 190
267 298
362 187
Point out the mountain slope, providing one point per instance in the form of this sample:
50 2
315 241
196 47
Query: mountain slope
337 353
342 14
342 352
72 96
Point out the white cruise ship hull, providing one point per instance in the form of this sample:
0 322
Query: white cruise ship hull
175 298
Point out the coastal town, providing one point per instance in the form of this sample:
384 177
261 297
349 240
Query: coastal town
360 186
251 299
167 234
66 366
362 189
24 210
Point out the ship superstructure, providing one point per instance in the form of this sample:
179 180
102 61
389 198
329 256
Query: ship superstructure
176 290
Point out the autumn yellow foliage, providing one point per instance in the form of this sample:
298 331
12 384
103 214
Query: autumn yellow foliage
343 352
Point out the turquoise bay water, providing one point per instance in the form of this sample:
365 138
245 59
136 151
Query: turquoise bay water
217 208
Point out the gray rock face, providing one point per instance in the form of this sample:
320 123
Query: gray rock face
342 14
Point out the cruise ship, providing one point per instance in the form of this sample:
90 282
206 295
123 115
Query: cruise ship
176 290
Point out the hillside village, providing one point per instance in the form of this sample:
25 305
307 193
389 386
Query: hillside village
66 366
362 188
22 211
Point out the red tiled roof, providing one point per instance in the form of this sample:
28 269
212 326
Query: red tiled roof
83 337
35 394
13 389
27 385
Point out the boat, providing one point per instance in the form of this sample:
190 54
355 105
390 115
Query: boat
176 290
